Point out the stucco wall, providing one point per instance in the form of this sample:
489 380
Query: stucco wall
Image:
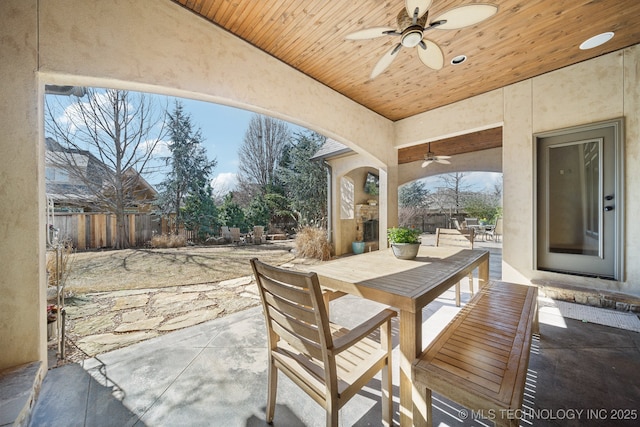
606 87
146 45
22 265
157 46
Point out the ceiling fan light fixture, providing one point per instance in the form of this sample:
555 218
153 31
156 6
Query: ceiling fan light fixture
411 37
596 40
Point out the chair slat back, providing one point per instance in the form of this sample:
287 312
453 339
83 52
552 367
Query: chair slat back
294 309
498 228
451 237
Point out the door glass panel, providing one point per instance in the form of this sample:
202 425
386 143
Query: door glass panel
575 186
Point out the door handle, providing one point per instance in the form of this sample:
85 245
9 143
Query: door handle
608 208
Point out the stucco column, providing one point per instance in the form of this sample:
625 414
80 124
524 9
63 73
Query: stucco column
388 202
22 215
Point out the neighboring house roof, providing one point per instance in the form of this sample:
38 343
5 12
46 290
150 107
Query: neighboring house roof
143 184
64 185
330 149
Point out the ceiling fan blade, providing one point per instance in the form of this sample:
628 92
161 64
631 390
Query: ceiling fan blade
369 33
442 161
443 157
426 163
465 16
432 56
422 5
385 61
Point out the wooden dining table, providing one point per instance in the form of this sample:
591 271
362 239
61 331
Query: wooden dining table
408 286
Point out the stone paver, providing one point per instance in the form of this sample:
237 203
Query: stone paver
93 325
190 319
132 301
104 321
133 316
141 325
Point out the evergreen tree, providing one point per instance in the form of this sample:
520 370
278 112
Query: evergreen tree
258 212
231 214
189 167
414 194
200 213
305 181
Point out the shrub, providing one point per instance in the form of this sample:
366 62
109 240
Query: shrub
403 235
311 242
59 263
168 241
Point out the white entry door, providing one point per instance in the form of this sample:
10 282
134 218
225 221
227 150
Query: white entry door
579 201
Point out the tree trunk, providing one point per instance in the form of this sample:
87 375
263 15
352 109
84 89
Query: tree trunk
122 236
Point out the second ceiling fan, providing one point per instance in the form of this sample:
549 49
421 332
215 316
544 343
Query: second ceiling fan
412 24
432 158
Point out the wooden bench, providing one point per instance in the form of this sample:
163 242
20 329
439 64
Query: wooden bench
480 359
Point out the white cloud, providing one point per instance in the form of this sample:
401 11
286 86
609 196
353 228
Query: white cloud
224 183
161 149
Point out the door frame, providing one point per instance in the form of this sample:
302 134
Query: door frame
619 143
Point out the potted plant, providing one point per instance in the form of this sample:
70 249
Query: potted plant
405 242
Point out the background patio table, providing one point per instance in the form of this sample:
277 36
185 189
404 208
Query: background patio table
408 285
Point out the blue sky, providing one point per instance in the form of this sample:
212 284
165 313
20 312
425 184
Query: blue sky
223 130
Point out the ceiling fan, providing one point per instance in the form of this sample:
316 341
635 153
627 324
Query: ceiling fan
432 158
412 24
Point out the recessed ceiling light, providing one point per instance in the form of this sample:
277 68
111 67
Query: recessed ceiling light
596 41
458 59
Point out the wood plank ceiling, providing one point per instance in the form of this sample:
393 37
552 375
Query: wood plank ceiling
524 39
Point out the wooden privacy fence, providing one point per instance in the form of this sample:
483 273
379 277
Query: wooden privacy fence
98 230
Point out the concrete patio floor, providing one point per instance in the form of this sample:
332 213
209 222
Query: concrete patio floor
214 374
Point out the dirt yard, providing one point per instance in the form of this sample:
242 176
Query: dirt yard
101 271
118 298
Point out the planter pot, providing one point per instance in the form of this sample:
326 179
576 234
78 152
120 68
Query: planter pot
405 250
52 330
357 247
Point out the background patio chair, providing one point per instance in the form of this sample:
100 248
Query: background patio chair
462 228
258 234
330 363
496 232
450 237
471 221
235 235
226 233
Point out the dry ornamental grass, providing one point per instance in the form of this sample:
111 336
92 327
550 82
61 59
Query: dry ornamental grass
311 242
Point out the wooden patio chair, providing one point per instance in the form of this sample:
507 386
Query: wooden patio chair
496 232
258 234
450 237
235 235
226 233
330 363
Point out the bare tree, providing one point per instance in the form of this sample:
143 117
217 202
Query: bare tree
260 153
454 189
106 143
